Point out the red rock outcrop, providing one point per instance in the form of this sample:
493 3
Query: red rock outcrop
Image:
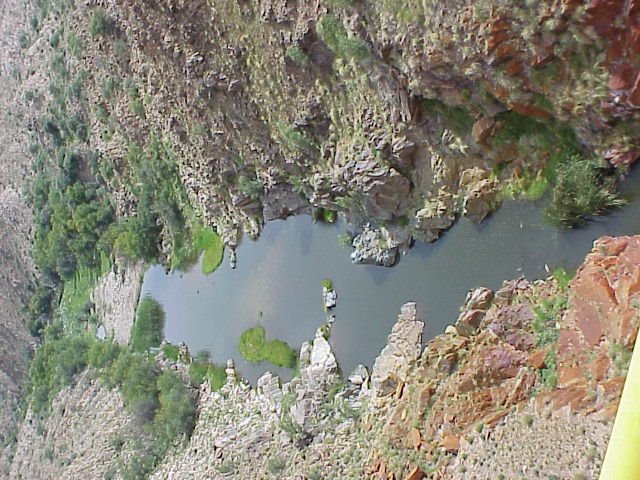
472 383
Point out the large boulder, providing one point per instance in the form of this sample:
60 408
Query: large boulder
379 246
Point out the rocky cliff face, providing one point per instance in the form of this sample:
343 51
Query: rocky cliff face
278 108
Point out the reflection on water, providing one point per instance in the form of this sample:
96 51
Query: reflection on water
277 282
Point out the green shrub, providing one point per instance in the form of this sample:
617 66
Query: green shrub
548 374
335 36
251 187
175 417
135 375
326 283
276 464
456 119
545 317
562 277
23 40
109 87
101 25
199 371
296 55
74 44
325 215
53 366
582 189
147 330
102 354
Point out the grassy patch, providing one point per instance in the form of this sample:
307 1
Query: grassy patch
251 344
211 243
75 302
254 348
204 241
170 351
147 330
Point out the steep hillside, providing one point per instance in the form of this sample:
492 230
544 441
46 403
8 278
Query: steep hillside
16 268
148 131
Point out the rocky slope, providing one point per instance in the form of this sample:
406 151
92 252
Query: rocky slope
16 268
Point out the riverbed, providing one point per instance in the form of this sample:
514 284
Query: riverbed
277 282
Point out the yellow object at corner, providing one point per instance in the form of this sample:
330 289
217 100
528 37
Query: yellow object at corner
622 460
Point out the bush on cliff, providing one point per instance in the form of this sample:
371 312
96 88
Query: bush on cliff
583 188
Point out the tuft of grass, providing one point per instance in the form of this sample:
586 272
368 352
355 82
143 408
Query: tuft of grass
254 348
583 189
101 24
276 464
548 374
562 278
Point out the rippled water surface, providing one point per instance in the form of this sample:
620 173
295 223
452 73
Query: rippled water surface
277 282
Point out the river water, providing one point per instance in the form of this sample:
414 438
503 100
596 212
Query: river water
277 282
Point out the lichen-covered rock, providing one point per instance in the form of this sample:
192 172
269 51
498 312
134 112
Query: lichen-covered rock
379 246
480 194
398 356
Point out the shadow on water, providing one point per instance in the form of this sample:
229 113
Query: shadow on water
277 282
